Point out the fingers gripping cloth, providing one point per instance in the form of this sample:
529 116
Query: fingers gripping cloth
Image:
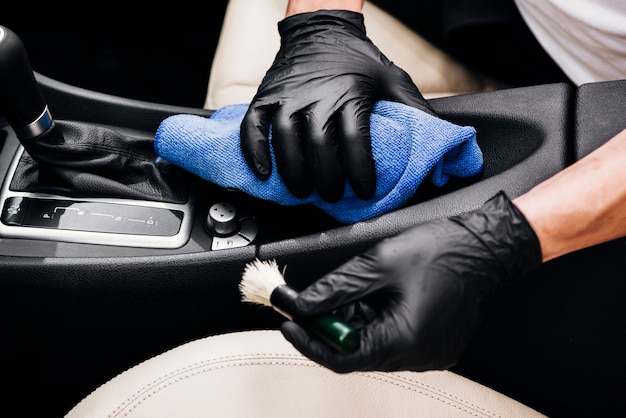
408 146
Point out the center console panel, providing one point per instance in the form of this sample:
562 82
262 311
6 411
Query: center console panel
90 291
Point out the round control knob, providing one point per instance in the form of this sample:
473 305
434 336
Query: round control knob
222 220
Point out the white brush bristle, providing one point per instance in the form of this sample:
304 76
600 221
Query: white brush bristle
259 280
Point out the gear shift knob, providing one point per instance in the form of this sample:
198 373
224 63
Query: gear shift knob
21 101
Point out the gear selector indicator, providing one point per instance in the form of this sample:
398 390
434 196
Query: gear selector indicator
92 216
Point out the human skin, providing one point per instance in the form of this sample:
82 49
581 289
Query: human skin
303 6
581 206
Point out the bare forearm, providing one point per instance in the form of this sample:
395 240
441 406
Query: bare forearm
302 6
583 205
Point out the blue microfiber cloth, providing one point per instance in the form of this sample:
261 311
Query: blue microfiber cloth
408 145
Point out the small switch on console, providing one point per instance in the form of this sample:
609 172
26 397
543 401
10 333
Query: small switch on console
229 228
222 220
14 211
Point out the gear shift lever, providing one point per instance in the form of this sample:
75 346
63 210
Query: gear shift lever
20 98
77 159
81 182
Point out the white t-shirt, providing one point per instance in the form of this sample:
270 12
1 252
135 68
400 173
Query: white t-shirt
586 38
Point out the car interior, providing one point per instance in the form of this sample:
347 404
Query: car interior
110 258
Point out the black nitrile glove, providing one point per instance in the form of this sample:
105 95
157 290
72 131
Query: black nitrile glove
422 290
317 95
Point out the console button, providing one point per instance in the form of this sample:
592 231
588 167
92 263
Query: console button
14 211
222 220
222 243
228 228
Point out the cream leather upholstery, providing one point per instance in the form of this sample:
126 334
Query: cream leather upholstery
259 374
249 41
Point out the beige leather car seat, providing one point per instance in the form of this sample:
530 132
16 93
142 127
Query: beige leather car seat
259 374
249 41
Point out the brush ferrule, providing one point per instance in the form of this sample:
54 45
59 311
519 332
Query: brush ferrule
283 300
335 332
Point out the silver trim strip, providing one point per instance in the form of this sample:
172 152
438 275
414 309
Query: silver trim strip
38 126
87 237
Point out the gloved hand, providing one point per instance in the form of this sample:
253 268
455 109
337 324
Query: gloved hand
317 95
422 290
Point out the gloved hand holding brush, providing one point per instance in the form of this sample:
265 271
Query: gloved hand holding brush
424 288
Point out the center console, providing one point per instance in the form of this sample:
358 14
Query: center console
122 279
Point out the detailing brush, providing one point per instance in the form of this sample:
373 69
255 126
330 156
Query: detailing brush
262 283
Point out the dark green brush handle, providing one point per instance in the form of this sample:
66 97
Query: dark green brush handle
339 334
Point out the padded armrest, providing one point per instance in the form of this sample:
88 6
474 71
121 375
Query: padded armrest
526 137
